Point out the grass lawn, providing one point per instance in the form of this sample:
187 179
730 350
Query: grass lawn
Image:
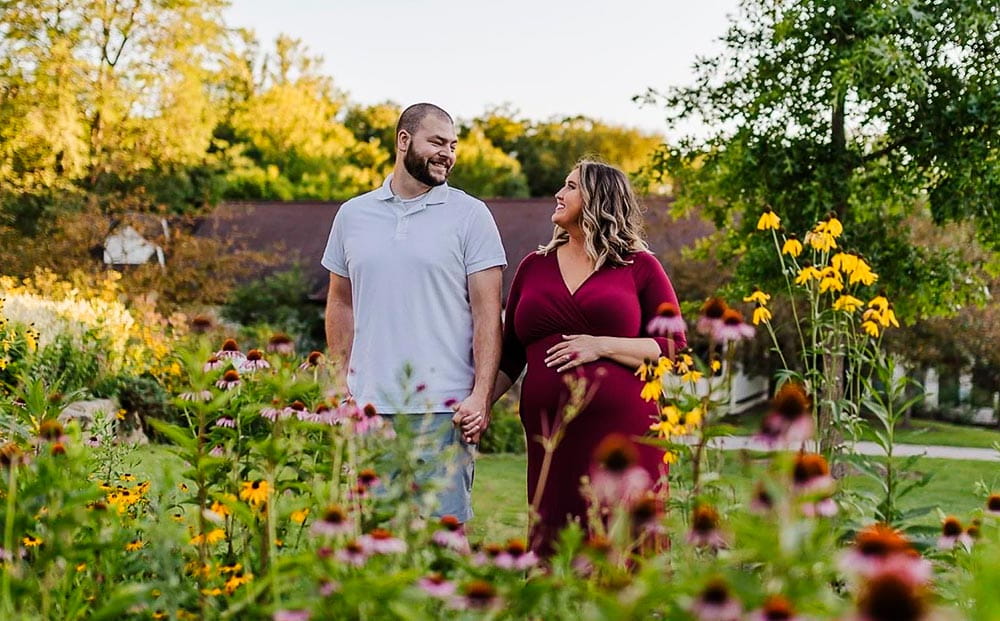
499 497
921 431
500 500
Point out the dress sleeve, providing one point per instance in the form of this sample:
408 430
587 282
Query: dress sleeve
513 358
654 288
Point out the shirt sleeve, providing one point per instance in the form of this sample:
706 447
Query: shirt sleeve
483 248
335 256
655 288
513 358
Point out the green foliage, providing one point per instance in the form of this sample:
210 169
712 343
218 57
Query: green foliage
484 170
281 299
505 433
876 112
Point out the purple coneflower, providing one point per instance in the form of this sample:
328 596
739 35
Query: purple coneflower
369 478
824 507
889 597
381 541
790 422
93 441
334 521
254 360
716 603
368 420
451 535
230 350
282 344
478 595
297 409
762 502
201 324
435 585
217 451
711 315
615 475
313 360
993 504
353 553
291 615
705 528
881 549
811 474
953 533
731 327
229 380
225 421
516 556
667 321
775 608
212 364
487 555
198 395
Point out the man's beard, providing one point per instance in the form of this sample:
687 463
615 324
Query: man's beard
420 169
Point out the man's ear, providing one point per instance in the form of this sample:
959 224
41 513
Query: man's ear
403 139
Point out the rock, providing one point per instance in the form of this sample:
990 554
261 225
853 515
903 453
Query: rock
89 412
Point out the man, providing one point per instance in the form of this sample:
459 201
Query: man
414 301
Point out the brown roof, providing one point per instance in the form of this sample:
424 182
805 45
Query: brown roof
298 231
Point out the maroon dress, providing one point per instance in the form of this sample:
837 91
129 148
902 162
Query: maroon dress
614 301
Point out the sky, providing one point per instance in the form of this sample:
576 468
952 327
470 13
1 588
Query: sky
544 57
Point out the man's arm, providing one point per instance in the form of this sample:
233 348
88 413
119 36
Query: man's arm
484 297
339 329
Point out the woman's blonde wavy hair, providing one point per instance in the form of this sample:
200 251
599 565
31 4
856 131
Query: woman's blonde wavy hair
611 218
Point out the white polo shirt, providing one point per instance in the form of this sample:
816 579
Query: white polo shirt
408 263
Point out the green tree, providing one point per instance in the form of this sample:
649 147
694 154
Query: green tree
484 170
874 111
547 150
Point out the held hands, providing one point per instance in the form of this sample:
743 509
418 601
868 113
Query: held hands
473 417
575 350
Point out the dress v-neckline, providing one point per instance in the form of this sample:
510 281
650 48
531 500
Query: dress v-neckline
562 278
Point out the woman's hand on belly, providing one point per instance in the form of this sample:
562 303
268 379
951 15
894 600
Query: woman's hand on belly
574 350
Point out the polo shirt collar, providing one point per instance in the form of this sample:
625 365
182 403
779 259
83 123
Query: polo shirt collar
436 196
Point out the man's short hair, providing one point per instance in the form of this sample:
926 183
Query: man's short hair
411 118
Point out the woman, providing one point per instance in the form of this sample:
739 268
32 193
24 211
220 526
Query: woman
578 309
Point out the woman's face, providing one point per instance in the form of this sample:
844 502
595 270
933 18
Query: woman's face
569 202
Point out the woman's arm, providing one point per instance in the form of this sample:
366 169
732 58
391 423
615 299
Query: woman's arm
577 349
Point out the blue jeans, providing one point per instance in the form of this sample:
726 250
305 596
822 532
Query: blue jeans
434 434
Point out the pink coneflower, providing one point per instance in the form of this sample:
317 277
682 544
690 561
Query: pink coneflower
790 422
353 553
615 475
230 350
229 380
212 364
334 521
217 451
198 395
993 504
762 502
435 585
716 603
711 315
93 441
731 327
705 528
225 421
328 588
667 321
953 533
478 595
888 597
291 615
775 608
381 541
824 507
297 409
369 420
516 556
313 360
201 324
881 549
596 547
323 414
369 478
254 361
811 474
451 535
487 554
282 344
